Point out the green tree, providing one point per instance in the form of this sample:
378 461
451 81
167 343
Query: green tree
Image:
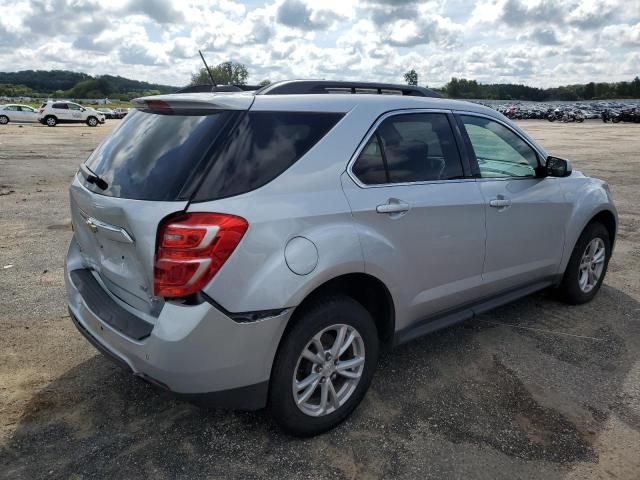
635 87
411 77
225 73
589 91
265 82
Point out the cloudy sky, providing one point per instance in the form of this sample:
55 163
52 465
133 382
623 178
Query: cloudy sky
538 42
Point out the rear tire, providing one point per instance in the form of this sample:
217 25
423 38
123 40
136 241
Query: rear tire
4 119
51 121
578 284
322 321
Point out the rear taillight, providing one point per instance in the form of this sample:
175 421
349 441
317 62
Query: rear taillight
191 249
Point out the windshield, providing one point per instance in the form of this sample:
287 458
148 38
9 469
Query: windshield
151 156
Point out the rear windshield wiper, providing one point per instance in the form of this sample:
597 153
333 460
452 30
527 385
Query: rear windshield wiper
91 177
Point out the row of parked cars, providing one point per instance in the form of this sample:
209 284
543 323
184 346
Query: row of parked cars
615 111
53 112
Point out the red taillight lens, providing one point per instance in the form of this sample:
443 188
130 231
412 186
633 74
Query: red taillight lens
191 249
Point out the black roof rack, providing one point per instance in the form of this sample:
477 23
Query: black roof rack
292 87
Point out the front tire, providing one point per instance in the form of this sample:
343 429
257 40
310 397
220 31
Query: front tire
587 266
92 121
4 119
324 366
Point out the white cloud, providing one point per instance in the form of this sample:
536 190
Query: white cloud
540 42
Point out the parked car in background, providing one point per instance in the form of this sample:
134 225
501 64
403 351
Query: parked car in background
120 112
17 113
54 112
108 113
258 250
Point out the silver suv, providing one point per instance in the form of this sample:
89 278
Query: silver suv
259 248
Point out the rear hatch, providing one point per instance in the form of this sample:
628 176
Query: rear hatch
150 165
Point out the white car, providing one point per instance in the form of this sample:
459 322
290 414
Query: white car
54 112
17 113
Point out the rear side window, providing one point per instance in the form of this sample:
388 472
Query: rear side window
62 106
151 156
414 147
262 147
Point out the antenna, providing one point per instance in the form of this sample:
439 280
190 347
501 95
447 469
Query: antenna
213 83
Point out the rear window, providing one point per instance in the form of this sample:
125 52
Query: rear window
151 156
263 146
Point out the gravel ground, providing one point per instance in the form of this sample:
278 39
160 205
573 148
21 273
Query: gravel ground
535 389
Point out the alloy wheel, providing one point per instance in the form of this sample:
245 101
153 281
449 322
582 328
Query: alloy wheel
328 370
592 265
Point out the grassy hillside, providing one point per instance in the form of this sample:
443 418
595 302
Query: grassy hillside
63 83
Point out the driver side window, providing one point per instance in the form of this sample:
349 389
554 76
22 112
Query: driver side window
499 151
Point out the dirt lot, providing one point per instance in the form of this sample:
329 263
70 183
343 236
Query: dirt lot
535 389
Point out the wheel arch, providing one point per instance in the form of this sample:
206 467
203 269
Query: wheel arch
608 219
605 215
367 290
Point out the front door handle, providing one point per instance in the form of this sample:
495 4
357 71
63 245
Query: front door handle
500 202
393 206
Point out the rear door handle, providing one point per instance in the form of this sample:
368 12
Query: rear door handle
500 203
393 207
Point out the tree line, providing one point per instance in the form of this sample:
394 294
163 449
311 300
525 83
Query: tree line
62 83
67 84
471 89
463 88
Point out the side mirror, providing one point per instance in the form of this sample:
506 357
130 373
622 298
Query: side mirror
558 167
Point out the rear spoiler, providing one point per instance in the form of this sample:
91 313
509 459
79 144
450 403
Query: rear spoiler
193 101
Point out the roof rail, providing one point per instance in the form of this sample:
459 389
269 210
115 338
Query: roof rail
292 87
217 88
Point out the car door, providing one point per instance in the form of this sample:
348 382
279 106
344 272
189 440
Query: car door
76 112
61 111
11 111
525 214
28 114
419 216
19 114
